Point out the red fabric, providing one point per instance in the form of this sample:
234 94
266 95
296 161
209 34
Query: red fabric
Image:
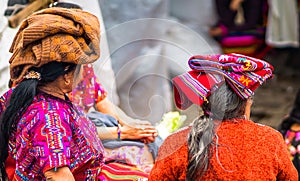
10 167
247 151
195 90
117 171
243 74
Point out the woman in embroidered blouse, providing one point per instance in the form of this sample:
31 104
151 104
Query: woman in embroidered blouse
42 135
223 143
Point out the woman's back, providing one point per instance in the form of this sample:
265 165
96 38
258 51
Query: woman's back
246 151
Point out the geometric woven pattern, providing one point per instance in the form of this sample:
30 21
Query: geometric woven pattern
242 73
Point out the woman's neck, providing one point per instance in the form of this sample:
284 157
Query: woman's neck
53 90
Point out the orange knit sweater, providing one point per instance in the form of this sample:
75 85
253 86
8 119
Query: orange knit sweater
248 151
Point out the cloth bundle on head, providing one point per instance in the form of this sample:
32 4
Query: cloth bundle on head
55 34
244 74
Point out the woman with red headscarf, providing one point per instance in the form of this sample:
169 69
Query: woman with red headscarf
223 143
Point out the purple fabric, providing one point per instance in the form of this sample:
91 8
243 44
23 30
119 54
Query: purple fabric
50 134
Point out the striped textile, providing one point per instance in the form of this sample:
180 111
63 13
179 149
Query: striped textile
117 171
244 74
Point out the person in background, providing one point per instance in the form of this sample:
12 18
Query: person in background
43 136
223 143
124 138
227 11
290 129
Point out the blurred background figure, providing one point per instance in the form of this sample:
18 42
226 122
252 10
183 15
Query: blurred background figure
290 129
282 34
241 26
283 24
250 16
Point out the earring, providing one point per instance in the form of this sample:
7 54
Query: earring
67 82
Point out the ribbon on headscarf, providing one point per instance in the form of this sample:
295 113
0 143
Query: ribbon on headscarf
244 74
55 34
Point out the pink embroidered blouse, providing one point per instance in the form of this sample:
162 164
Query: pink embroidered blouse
89 91
50 134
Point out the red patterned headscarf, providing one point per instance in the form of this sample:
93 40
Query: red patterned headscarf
244 74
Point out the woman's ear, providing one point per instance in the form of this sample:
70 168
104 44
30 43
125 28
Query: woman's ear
68 78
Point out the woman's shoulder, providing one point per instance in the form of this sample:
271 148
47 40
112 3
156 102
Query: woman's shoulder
49 102
175 142
179 137
251 130
46 110
45 106
264 129
172 159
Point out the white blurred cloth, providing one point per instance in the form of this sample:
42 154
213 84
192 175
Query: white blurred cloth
6 37
136 52
283 24
199 15
194 17
148 48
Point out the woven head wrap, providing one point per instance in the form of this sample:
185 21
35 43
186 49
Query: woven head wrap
54 34
244 74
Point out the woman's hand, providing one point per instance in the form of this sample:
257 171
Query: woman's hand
132 129
139 130
61 174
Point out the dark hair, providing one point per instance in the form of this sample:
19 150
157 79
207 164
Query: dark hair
65 5
223 104
21 97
